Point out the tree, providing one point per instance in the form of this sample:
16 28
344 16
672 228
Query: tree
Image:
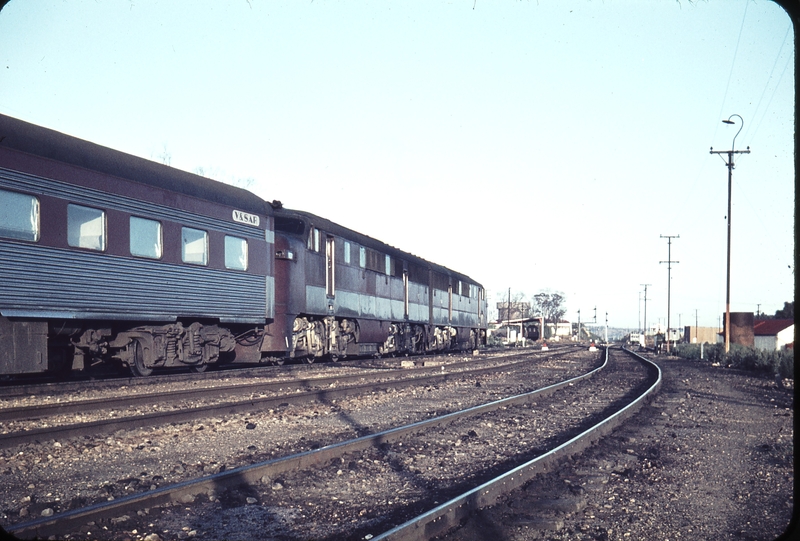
787 312
550 305
517 308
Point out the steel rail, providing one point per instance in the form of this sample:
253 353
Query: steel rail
77 406
449 514
8 389
182 415
187 491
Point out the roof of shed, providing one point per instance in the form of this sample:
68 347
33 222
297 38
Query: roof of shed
771 327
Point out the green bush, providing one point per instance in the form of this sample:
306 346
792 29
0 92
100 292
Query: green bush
494 341
688 351
769 362
712 353
786 363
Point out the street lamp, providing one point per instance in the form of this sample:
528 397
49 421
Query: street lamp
729 163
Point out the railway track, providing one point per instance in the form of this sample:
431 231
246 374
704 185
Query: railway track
38 387
405 460
177 406
449 514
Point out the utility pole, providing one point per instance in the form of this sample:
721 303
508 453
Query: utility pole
645 312
729 163
508 317
640 311
579 325
669 263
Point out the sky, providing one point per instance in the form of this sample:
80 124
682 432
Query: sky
545 145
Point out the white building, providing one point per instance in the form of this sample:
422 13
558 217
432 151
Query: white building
773 334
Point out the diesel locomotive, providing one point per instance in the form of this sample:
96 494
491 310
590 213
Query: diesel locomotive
110 258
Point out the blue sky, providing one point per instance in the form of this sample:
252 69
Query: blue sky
532 145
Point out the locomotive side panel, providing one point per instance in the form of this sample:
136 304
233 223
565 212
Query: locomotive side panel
417 302
361 291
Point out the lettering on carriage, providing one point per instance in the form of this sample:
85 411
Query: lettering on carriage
245 218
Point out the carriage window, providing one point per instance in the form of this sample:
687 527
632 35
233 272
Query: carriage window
347 252
194 246
146 238
235 253
362 256
86 227
388 269
19 216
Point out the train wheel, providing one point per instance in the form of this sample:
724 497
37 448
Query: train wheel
334 358
308 359
138 367
199 368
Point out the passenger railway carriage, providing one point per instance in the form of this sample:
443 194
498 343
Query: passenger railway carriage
111 256
105 257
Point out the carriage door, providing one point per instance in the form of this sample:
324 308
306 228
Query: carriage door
405 294
450 303
330 267
481 315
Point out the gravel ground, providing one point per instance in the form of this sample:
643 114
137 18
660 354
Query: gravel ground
710 458
367 493
60 475
296 379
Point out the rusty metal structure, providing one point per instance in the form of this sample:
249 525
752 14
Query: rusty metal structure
110 258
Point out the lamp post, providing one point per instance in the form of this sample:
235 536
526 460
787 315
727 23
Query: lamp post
729 163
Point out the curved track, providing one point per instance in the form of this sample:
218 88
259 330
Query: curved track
431 521
449 514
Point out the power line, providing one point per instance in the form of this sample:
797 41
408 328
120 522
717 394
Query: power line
774 91
733 61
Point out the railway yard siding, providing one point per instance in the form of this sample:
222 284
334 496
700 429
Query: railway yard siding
710 458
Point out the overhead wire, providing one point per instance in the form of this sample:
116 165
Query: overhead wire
733 65
690 193
766 84
750 134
